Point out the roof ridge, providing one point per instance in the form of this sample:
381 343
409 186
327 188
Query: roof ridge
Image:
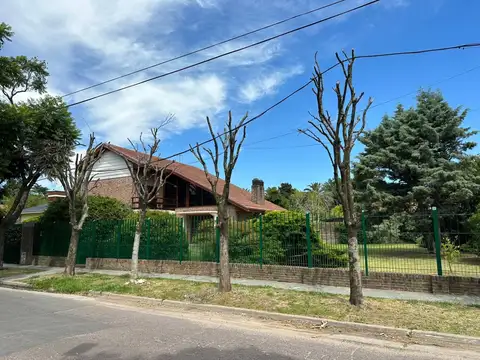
239 197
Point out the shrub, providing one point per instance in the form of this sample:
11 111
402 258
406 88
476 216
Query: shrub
387 232
450 252
163 231
99 208
286 233
473 244
166 236
329 257
203 243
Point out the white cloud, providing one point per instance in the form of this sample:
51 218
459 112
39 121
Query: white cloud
87 41
257 55
267 84
126 114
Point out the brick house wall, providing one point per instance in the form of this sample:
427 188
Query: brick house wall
119 188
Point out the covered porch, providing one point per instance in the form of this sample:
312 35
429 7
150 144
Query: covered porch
178 193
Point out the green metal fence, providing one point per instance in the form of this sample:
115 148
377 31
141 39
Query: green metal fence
387 243
11 250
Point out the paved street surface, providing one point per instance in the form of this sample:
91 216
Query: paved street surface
46 326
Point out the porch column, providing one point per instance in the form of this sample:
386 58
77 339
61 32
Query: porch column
187 223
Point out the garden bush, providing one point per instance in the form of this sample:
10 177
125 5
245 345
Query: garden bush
99 208
473 244
203 241
285 232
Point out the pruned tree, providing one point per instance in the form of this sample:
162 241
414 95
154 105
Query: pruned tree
76 181
338 135
149 175
231 149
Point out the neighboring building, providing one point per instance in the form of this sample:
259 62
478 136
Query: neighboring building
38 210
187 191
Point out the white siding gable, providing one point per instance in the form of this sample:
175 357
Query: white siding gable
110 166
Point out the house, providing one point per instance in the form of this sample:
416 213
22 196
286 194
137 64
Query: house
38 210
187 191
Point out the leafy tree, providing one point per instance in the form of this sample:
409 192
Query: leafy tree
411 160
38 189
6 33
315 187
31 131
416 159
99 208
281 196
37 196
19 74
43 127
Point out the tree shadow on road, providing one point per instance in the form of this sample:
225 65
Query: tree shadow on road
86 352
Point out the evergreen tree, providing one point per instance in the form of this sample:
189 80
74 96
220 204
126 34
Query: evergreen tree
414 160
411 161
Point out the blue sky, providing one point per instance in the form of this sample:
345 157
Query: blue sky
88 41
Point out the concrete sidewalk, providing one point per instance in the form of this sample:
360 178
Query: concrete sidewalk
375 293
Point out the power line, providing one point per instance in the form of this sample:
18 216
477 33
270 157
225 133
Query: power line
464 46
401 53
206 47
433 84
224 54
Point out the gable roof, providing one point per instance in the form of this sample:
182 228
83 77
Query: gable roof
238 197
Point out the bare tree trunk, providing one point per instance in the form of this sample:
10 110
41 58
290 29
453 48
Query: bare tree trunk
224 284
71 260
355 272
2 243
136 243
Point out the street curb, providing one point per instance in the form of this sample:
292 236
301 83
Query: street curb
15 285
411 336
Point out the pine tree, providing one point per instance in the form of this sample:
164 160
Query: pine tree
412 160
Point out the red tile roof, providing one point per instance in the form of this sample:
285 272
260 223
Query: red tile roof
238 197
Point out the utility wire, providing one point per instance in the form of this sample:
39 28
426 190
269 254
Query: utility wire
223 54
455 47
401 53
206 47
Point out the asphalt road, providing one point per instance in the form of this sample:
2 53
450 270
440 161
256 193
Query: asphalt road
45 326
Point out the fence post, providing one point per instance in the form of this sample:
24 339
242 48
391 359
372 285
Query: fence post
180 236
148 239
217 241
309 241
261 239
118 239
93 244
365 248
436 234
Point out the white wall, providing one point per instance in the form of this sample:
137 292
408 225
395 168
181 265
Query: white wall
110 166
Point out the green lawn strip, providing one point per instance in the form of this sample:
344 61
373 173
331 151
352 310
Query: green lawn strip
412 259
7 272
415 315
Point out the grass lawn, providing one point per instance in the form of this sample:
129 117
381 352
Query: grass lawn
450 318
6 272
410 258
399 258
